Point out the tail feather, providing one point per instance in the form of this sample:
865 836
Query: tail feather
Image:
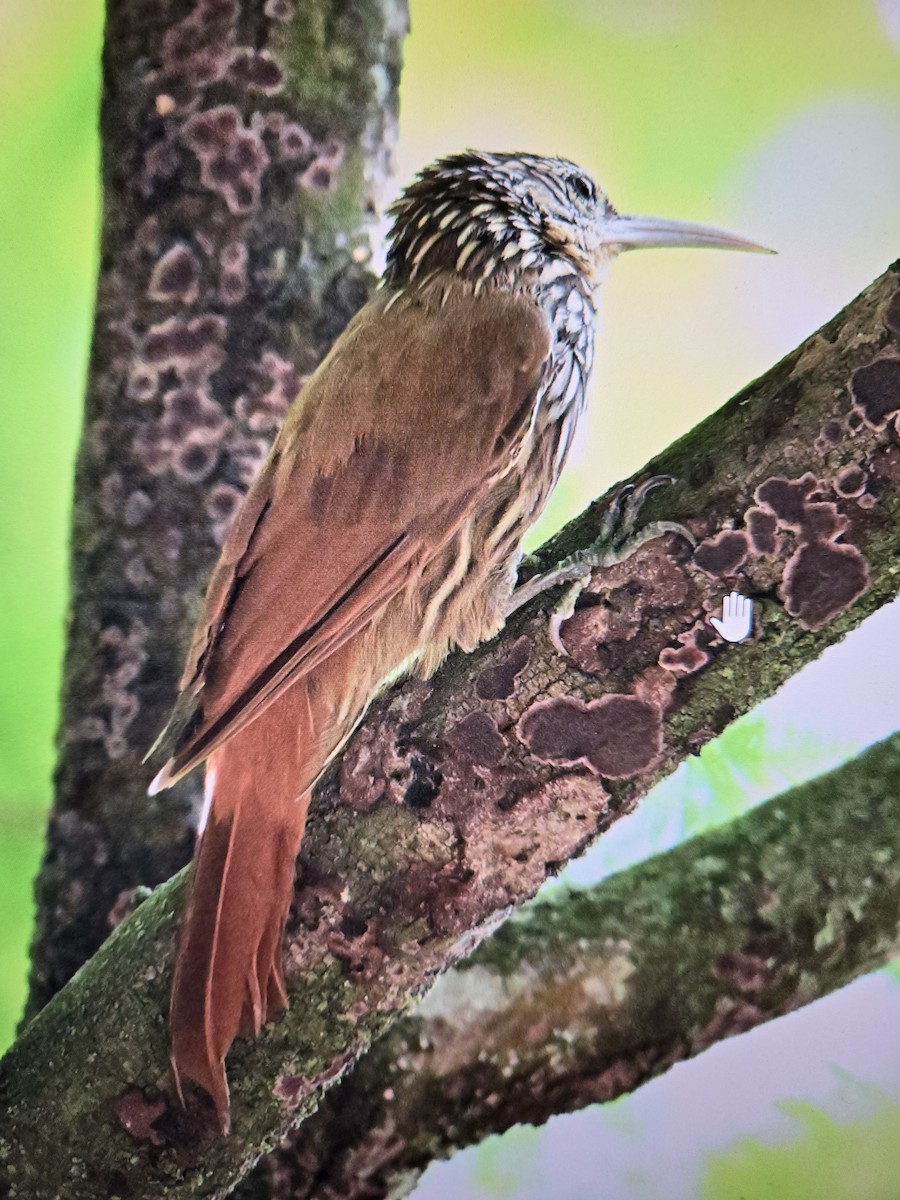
228 978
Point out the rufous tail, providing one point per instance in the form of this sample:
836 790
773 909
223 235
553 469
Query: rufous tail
228 977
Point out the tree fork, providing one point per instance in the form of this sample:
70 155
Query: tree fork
458 796
616 983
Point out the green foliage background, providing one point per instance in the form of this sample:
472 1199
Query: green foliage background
781 121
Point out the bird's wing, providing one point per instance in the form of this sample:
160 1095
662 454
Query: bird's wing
400 430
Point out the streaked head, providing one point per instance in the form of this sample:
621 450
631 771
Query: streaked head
477 214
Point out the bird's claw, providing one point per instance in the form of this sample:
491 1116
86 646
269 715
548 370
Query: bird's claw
618 539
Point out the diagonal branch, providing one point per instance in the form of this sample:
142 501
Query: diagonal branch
457 797
587 995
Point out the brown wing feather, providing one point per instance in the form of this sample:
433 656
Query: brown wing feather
406 422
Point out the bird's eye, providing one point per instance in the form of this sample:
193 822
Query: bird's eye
582 187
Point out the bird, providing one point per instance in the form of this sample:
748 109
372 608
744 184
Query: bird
383 530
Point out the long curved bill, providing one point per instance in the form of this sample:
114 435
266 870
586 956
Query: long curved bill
636 233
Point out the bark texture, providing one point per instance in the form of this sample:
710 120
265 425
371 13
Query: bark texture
457 797
590 993
244 146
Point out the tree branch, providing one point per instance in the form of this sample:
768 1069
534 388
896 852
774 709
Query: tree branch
458 796
588 994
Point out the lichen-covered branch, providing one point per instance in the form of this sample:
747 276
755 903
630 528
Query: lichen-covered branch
244 148
589 994
458 796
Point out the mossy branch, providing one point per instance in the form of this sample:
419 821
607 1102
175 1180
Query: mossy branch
458 796
590 993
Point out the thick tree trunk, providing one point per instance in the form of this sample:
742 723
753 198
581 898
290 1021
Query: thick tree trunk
457 797
244 148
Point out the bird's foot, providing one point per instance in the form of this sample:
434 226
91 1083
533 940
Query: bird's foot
618 539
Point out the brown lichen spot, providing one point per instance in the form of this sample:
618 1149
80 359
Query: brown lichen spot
615 736
275 384
208 26
821 580
724 554
234 255
138 1113
180 342
655 686
875 389
233 272
761 525
786 498
223 502
186 439
850 482
476 739
585 636
256 70
141 385
892 315
279 10
148 237
175 276
631 594
499 681
831 432
372 767
232 157
294 141
125 904
191 413
822 523
194 461
854 421
319 175
685 659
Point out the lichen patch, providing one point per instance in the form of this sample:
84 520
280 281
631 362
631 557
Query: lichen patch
232 156
615 736
498 681
875 389
762 526
850 482
476 739
822 579
175 276
786 498
724 554
689 657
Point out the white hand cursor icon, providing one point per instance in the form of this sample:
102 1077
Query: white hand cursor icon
737 618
